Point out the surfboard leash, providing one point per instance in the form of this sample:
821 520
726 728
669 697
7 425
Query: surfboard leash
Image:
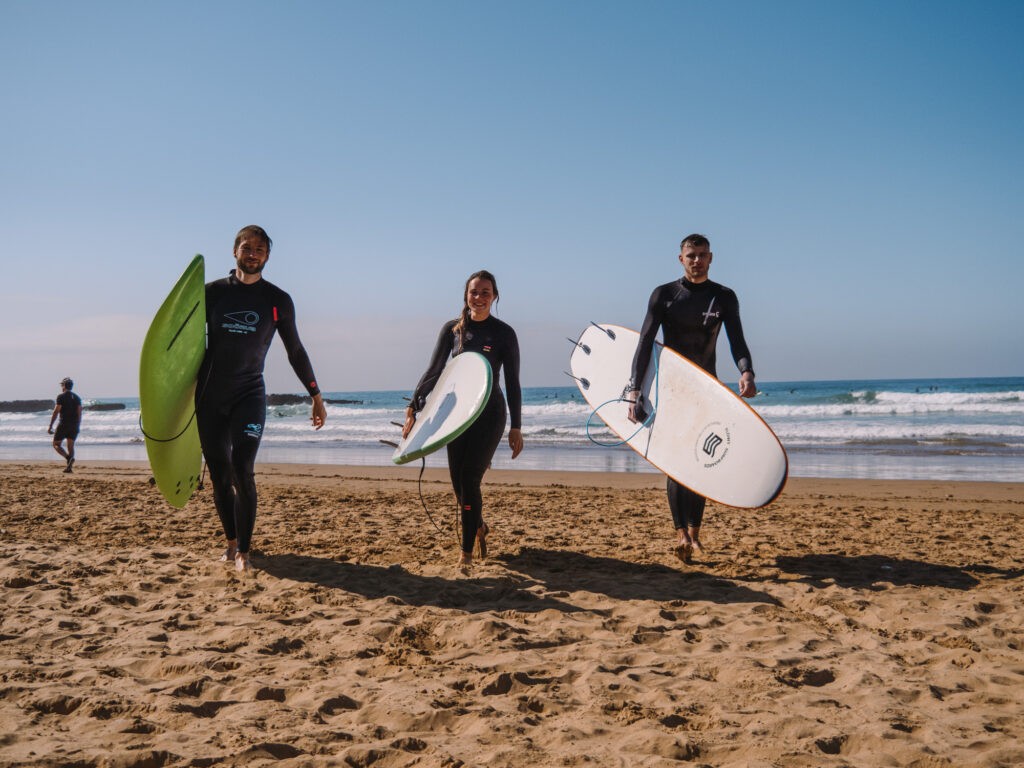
202 393
419 487
621 398
168 439
419 483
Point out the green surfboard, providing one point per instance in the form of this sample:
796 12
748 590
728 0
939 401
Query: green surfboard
169 366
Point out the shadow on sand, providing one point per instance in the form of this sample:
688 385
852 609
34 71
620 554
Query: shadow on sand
566 571
876 571
507 592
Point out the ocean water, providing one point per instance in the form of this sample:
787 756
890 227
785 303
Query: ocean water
938 429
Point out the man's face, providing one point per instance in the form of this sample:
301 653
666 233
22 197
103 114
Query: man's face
696 260
251 255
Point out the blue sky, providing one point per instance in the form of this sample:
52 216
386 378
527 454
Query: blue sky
858 166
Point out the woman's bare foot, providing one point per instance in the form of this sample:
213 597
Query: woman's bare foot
697 548
481 539
229 554
242 563
684 551
465 564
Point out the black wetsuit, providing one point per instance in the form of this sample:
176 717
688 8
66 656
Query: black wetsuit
690 316
231 398
470 453
69 418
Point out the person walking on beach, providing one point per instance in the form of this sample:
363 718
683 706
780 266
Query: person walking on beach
243 312
69 410
470 454
690 312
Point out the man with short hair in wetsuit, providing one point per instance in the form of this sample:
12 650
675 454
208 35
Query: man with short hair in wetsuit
243 312
690 311
69 410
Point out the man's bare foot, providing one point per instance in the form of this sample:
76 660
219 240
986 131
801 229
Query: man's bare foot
229 554
697 548
242 563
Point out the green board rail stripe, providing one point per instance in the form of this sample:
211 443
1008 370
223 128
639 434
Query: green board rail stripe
182 326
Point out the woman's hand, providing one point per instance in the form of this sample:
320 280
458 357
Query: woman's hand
410 419
515 441
319 411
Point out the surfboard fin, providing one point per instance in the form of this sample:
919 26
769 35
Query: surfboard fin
585 383
609 331
389 442
582 346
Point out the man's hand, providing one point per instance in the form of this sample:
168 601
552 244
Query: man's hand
747 387
633 396
410 419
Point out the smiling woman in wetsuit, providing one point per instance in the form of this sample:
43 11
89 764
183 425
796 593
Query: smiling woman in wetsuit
469 455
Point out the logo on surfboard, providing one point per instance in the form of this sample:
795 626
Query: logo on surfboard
712 444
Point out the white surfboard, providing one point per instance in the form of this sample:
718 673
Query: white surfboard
700 433
452 406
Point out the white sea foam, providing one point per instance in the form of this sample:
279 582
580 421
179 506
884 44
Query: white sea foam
975 418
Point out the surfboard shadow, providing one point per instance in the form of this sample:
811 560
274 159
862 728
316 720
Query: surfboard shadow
442 412
563 570
473 595
875 572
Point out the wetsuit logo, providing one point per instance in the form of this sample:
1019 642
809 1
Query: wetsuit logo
712 445
711 314
241 322
253 430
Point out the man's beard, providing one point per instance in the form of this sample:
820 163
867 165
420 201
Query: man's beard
246 270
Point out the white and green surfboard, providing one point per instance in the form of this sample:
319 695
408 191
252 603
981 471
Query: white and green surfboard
452 406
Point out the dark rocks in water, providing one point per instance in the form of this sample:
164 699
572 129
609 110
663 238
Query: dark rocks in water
300 399
34 406
287 399
26 406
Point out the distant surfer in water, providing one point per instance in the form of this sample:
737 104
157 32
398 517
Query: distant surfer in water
243 312
690 312
469 455
69 410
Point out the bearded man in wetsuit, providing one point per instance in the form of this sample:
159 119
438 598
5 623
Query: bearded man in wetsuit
690 312
243 312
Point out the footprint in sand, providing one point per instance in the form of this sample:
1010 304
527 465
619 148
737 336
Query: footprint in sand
338 704
800 676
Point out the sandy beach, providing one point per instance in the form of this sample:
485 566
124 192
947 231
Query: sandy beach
850 623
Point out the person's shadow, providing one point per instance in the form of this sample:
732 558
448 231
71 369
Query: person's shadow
567 571
876 571
507 592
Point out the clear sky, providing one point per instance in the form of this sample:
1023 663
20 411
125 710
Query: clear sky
859 168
